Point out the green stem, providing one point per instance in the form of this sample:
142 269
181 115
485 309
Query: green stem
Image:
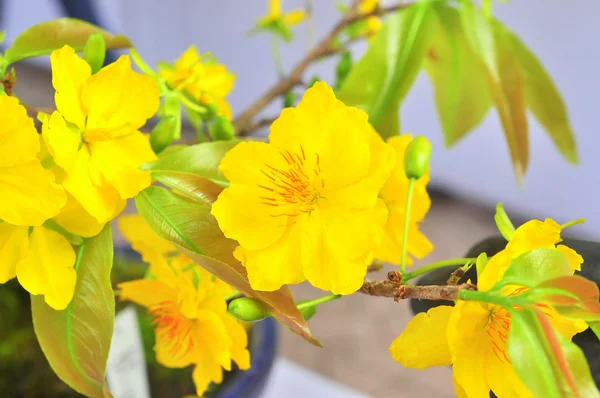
571 223
411 188
276 54
440 264
318 301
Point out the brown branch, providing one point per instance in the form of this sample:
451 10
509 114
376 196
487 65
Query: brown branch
324 48
397 291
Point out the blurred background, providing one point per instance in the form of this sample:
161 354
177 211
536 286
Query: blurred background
467 180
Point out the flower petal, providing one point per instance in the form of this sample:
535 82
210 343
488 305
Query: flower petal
205 371
494 270
338 245
19 141
146 292
277 264
101 201
294 17
142 238
62 142
239 337
69 74
76 220
423 342
574 259
117 97
48 268
119 161
29 194
533 235
14 241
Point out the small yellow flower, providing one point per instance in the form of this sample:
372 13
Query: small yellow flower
305 206
291 18
394 194
202 79
94 135
192 324
373 23
472 336
29 194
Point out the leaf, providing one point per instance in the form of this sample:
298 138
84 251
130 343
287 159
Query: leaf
380 80
190 185
190 226
172 107
572 296
536 266
544 101
492 42
200 159
76 341
43 38
459 77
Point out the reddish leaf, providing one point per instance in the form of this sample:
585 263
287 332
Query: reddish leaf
190 185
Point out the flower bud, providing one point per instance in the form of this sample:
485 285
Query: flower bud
95 51
163 133
416 157
222 129
248 309
307 312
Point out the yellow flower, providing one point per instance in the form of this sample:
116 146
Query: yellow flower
291 18
373 23
472 336
94 137
305 206
204 80
394 194
192 324
29 194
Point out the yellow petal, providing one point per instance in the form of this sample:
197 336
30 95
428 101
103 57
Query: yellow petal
494 270
118 161
142 238
366 6
224 109
69 74
533 235
274 7
101 201
294 17
469 345
29 194
458 390
276 265
574 259
76 220
19 141
213 79
119 101
567 327
338 245
146 292
239 337
206 371
14 241
423 342
374 24
62 142
47 268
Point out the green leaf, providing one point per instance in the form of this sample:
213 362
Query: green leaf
536 266
190 226
545 102
200 159
172 107
492 42
43 38
190 185
380 80
572 296
76 341
458 76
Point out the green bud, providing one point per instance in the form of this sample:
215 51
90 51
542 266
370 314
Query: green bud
163 133
416 157
222 129
95 51
248 309
307 312
343 69
288 100
505 226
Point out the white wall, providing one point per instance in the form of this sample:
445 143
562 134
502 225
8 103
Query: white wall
563 36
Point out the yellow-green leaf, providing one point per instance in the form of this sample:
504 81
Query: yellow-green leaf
492 42
190 185
76 340
381 79
458 76
194 231
43 38
545 102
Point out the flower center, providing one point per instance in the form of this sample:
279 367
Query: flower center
172 328
497 329
296 186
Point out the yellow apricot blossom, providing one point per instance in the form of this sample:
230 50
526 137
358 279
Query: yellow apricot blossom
275 14
29 194
201 78
94 134
192 324
472 336
305 205
394 194
373 23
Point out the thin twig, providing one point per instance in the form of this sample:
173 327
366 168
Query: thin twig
397 291
324 48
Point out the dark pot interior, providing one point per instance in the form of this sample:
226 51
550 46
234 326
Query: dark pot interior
590 251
